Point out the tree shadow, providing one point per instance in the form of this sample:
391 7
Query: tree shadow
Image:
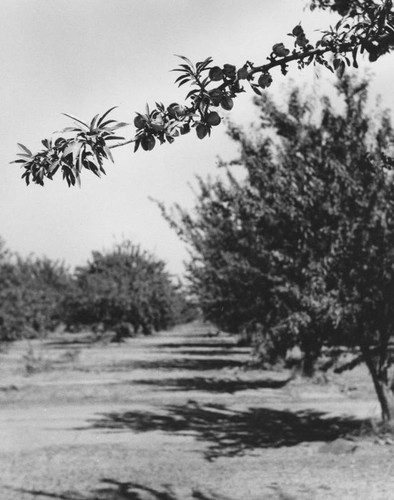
168 364
211 351
118 490
228 432
215 385
209 343
68 343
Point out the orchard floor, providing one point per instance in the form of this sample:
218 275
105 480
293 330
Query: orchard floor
177 416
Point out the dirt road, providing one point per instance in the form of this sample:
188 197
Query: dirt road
177 415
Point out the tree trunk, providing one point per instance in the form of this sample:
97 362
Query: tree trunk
386 400
308 365
383 386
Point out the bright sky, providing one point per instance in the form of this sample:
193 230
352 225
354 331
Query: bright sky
82 57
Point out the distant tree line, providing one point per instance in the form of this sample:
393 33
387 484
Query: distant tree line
125 290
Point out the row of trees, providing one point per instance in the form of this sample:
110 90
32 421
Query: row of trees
301 248
126 290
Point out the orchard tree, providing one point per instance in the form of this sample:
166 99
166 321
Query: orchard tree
301 249
31 294
126 290
364 27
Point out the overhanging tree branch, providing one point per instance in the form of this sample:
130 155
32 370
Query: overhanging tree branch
365 27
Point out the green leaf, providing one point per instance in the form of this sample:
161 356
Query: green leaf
185 59
104 124
192 92
105 114
202 130
183 82
108 153
24 155
115 138
118 125
25 149
76 119
54 167
73 148
341 69
182 77
19 161
93 123
71 129
91 166
186 68
201 66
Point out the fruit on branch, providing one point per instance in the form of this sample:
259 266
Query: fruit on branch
157 123
216 74
229 70
280 50
215 96
242 73
148 142
227 103
265 80
202 130
140 121
213 119
175 110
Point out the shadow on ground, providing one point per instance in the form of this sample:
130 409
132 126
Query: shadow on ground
189 344
207 350
228 432
117 490
215 385
166 364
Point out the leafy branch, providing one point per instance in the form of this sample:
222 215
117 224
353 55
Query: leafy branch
366 27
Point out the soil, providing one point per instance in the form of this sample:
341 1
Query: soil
181 415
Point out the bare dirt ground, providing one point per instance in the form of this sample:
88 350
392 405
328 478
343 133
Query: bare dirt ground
177 416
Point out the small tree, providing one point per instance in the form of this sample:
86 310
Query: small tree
31 293
302 248
127 290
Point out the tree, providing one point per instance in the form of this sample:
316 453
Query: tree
31 292
126 289
365 26
302 248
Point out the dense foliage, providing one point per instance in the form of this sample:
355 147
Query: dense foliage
363 27
302 249
127 290
31 292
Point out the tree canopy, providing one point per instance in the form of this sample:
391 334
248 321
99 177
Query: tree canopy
126 290
301 249
364 27
31 294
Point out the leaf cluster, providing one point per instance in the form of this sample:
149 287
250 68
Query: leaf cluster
86 149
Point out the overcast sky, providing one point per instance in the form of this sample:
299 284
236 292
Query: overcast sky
82 57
